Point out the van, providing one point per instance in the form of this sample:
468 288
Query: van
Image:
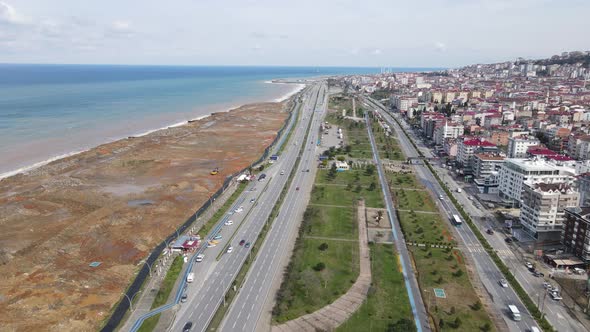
514 313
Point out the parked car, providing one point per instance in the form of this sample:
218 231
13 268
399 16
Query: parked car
538 274
297 188
528 265
242 242
489 231
508 240
217 237
184 298
555 296
228 223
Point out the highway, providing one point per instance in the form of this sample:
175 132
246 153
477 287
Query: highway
487 270
556 313
214 278
246 311
419 312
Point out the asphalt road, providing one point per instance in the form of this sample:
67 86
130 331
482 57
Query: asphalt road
214 278
419 312
247 307
487 270
556 313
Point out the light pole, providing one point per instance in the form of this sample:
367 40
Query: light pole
131 299
149 267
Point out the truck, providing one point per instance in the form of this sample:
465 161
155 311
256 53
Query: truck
190 277
514 313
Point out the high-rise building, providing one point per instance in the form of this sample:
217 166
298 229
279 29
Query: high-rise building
576 232
518 146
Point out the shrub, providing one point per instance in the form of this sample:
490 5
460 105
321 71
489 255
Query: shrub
323 246
319 266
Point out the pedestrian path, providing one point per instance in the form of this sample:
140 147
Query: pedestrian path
333 315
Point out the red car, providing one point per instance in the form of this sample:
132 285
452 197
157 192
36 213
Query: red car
242 242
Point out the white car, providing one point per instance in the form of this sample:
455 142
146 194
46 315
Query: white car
528 265
283 172
504 283
228 223
230 249
240 209
199 258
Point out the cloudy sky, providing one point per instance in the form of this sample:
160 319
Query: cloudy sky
400 33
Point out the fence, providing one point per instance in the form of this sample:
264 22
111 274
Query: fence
144 272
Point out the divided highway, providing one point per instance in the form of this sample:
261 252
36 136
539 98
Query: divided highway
214 278
246 311
487 270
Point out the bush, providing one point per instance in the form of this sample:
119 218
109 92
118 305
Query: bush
476 306
319 266
323 247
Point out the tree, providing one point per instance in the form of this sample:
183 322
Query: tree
319 266
476 306
370 169
323 247
441 323
341 158
358 188
402 325
372 186
486 327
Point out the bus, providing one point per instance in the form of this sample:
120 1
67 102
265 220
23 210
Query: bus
514 313
457 220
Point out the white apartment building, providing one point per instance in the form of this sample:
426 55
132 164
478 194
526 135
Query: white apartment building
518 146
470 146
516 171
542 213
485 164
447 130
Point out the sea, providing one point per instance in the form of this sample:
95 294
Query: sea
48 112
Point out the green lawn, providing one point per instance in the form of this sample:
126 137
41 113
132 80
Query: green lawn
333 222
425 228
306 290
339 195
399 180
344 178
439 268
414 200
387 302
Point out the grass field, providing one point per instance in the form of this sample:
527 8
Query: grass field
387 302
413 200
387 145
398 180
440 268
163 293
425 228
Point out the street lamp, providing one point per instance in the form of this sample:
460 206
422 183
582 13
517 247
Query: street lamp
149 268
130 299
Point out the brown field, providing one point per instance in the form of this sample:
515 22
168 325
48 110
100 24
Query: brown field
57 219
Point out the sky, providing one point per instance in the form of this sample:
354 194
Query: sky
374 33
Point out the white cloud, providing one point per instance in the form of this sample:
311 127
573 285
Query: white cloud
377 51
440 46
9 15
121 26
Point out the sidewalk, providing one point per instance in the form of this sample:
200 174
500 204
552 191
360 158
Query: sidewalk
333 315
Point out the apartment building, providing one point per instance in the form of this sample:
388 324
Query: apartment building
518 146
542 213
468 147
579 147
446 131
576 232
515 172
486 163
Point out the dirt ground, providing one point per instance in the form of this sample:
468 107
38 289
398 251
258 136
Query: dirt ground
112 205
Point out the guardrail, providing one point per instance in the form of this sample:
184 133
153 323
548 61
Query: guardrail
121 309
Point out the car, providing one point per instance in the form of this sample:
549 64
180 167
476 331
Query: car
538 274
441 197
534 329
199 258
307 170
283 172
187 327
228 223
217 237
555 296
247 245
211 244
184 298
242 242
547 285
240 209
296 188
252 200
528 265
489 231
230 249
253 189
504 283
508 240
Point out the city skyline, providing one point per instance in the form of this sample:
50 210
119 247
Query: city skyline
341 33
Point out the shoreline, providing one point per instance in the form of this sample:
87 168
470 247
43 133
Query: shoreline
296 89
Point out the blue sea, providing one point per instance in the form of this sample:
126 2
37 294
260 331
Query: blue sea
48 111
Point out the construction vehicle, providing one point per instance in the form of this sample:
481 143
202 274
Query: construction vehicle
215 171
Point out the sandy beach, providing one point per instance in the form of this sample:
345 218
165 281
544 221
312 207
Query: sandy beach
59 217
